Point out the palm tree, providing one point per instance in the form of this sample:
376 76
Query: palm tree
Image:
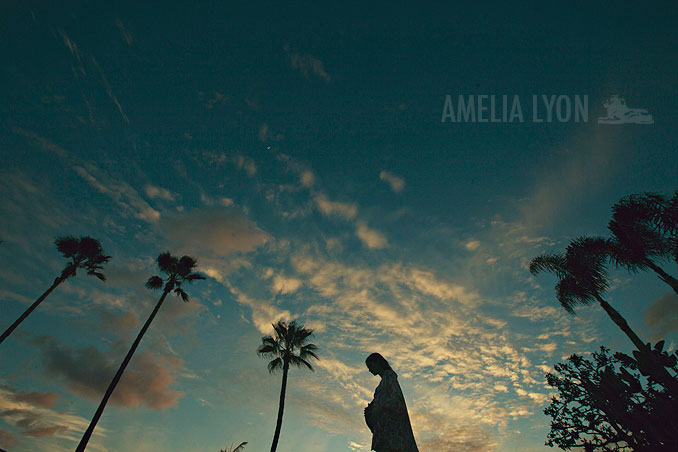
240 447
287 338
582 278
645 227
177 271
83 252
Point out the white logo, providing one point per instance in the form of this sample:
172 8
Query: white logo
619 113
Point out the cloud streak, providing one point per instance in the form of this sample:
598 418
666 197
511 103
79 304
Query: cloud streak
87 372
396 183
306 64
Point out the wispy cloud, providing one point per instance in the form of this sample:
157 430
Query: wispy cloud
396 183
372 239
154 192
263 312
42 427
345 210
123 194
265 134
87 372
576 174
472 245
124 32
307 64
213 232
662 316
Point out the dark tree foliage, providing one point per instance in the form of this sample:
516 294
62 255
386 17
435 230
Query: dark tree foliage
615 403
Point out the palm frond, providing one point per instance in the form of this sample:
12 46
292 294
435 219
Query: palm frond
90 248
67 245
166 262
269 350
240 447
185 265
275 365
551 262
571 294
285 341
300 362
154 282
179 291
99 275
193 277
587 257
69 270
280 329
308 350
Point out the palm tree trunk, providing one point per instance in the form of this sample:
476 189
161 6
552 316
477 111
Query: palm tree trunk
32 307
653 366
668 279
281 407
111 387
621 323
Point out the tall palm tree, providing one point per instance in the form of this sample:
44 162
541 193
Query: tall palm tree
582 278
83 252
645 228
287 339
177 272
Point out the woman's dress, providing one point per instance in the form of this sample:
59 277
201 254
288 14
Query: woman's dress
388 419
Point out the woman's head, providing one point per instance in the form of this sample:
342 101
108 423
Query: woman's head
376 364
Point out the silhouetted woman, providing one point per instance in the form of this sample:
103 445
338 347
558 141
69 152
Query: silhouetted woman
386 415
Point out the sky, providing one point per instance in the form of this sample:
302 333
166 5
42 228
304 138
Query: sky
302 155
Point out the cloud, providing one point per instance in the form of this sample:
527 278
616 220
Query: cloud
213 232
87 373
158 192
119 191
246 164
55 429
242 162
41 142
216 99
263 313
662 316
308 65
457 438
433 332
574 176
40 399
111 321
345 210
124 32
265 134
307 178
7 439
285 285
472 245
397 183
371 238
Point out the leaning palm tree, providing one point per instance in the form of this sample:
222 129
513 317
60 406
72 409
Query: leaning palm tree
287 338
177 272
83 252
582 278
645 230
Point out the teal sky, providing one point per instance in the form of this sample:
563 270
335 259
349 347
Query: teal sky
298 153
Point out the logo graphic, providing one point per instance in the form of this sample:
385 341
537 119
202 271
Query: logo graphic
619 113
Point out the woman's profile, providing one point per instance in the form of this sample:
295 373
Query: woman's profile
386 415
